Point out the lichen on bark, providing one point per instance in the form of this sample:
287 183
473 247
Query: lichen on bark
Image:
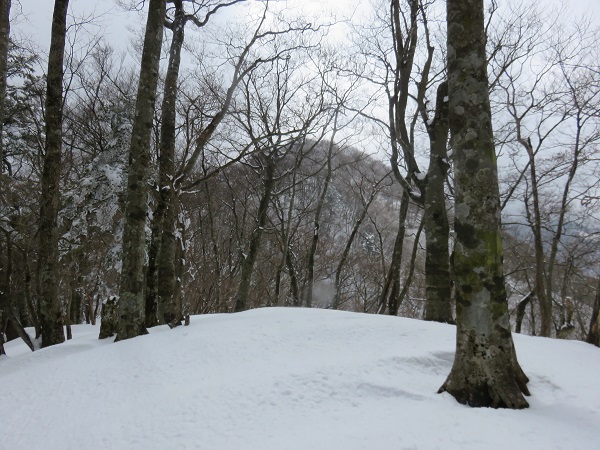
485 370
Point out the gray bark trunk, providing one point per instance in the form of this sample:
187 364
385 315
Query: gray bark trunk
168 198
437 256
593 336
108 325
131 305
485 372
4 41
51 321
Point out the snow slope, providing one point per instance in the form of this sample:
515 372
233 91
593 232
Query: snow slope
286 379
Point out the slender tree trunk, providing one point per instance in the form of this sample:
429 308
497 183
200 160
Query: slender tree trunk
593 336
437 230
294 285
218 269
521 311
543 297
249 260
310 278
342 263
564 206
393 298
4 42
411 267
151 318
51 320
131 305
391 286
3 324
5 288
485 371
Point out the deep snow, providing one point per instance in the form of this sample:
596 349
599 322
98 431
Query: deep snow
286 379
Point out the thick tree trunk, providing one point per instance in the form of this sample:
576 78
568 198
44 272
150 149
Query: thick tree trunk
51 320
168 198
437 231
485 370
593 336
108 324
131 305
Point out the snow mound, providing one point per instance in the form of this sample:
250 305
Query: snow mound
286 379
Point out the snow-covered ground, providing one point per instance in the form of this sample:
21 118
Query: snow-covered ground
286 379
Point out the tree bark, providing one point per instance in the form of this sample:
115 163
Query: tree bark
521 311
4 42
249 260
543 296
51 320
593 336
437 231
168 196
131 305
393 282
485 372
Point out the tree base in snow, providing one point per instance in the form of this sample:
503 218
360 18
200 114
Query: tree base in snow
485 374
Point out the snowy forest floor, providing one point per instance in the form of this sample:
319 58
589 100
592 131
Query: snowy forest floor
286 379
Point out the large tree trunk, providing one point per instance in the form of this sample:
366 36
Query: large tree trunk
437 230
131 306
485 370
51 321
168 198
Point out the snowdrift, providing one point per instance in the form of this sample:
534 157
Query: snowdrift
286 379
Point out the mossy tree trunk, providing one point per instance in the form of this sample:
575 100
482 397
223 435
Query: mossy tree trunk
51 320
485 372
131 306
168 196
437 256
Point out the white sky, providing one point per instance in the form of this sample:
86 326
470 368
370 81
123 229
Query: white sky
32 18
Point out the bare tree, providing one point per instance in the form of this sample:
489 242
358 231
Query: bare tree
553 110
593 336
131 306
485 370
51 320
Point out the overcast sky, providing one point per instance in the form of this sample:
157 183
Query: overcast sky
32 18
